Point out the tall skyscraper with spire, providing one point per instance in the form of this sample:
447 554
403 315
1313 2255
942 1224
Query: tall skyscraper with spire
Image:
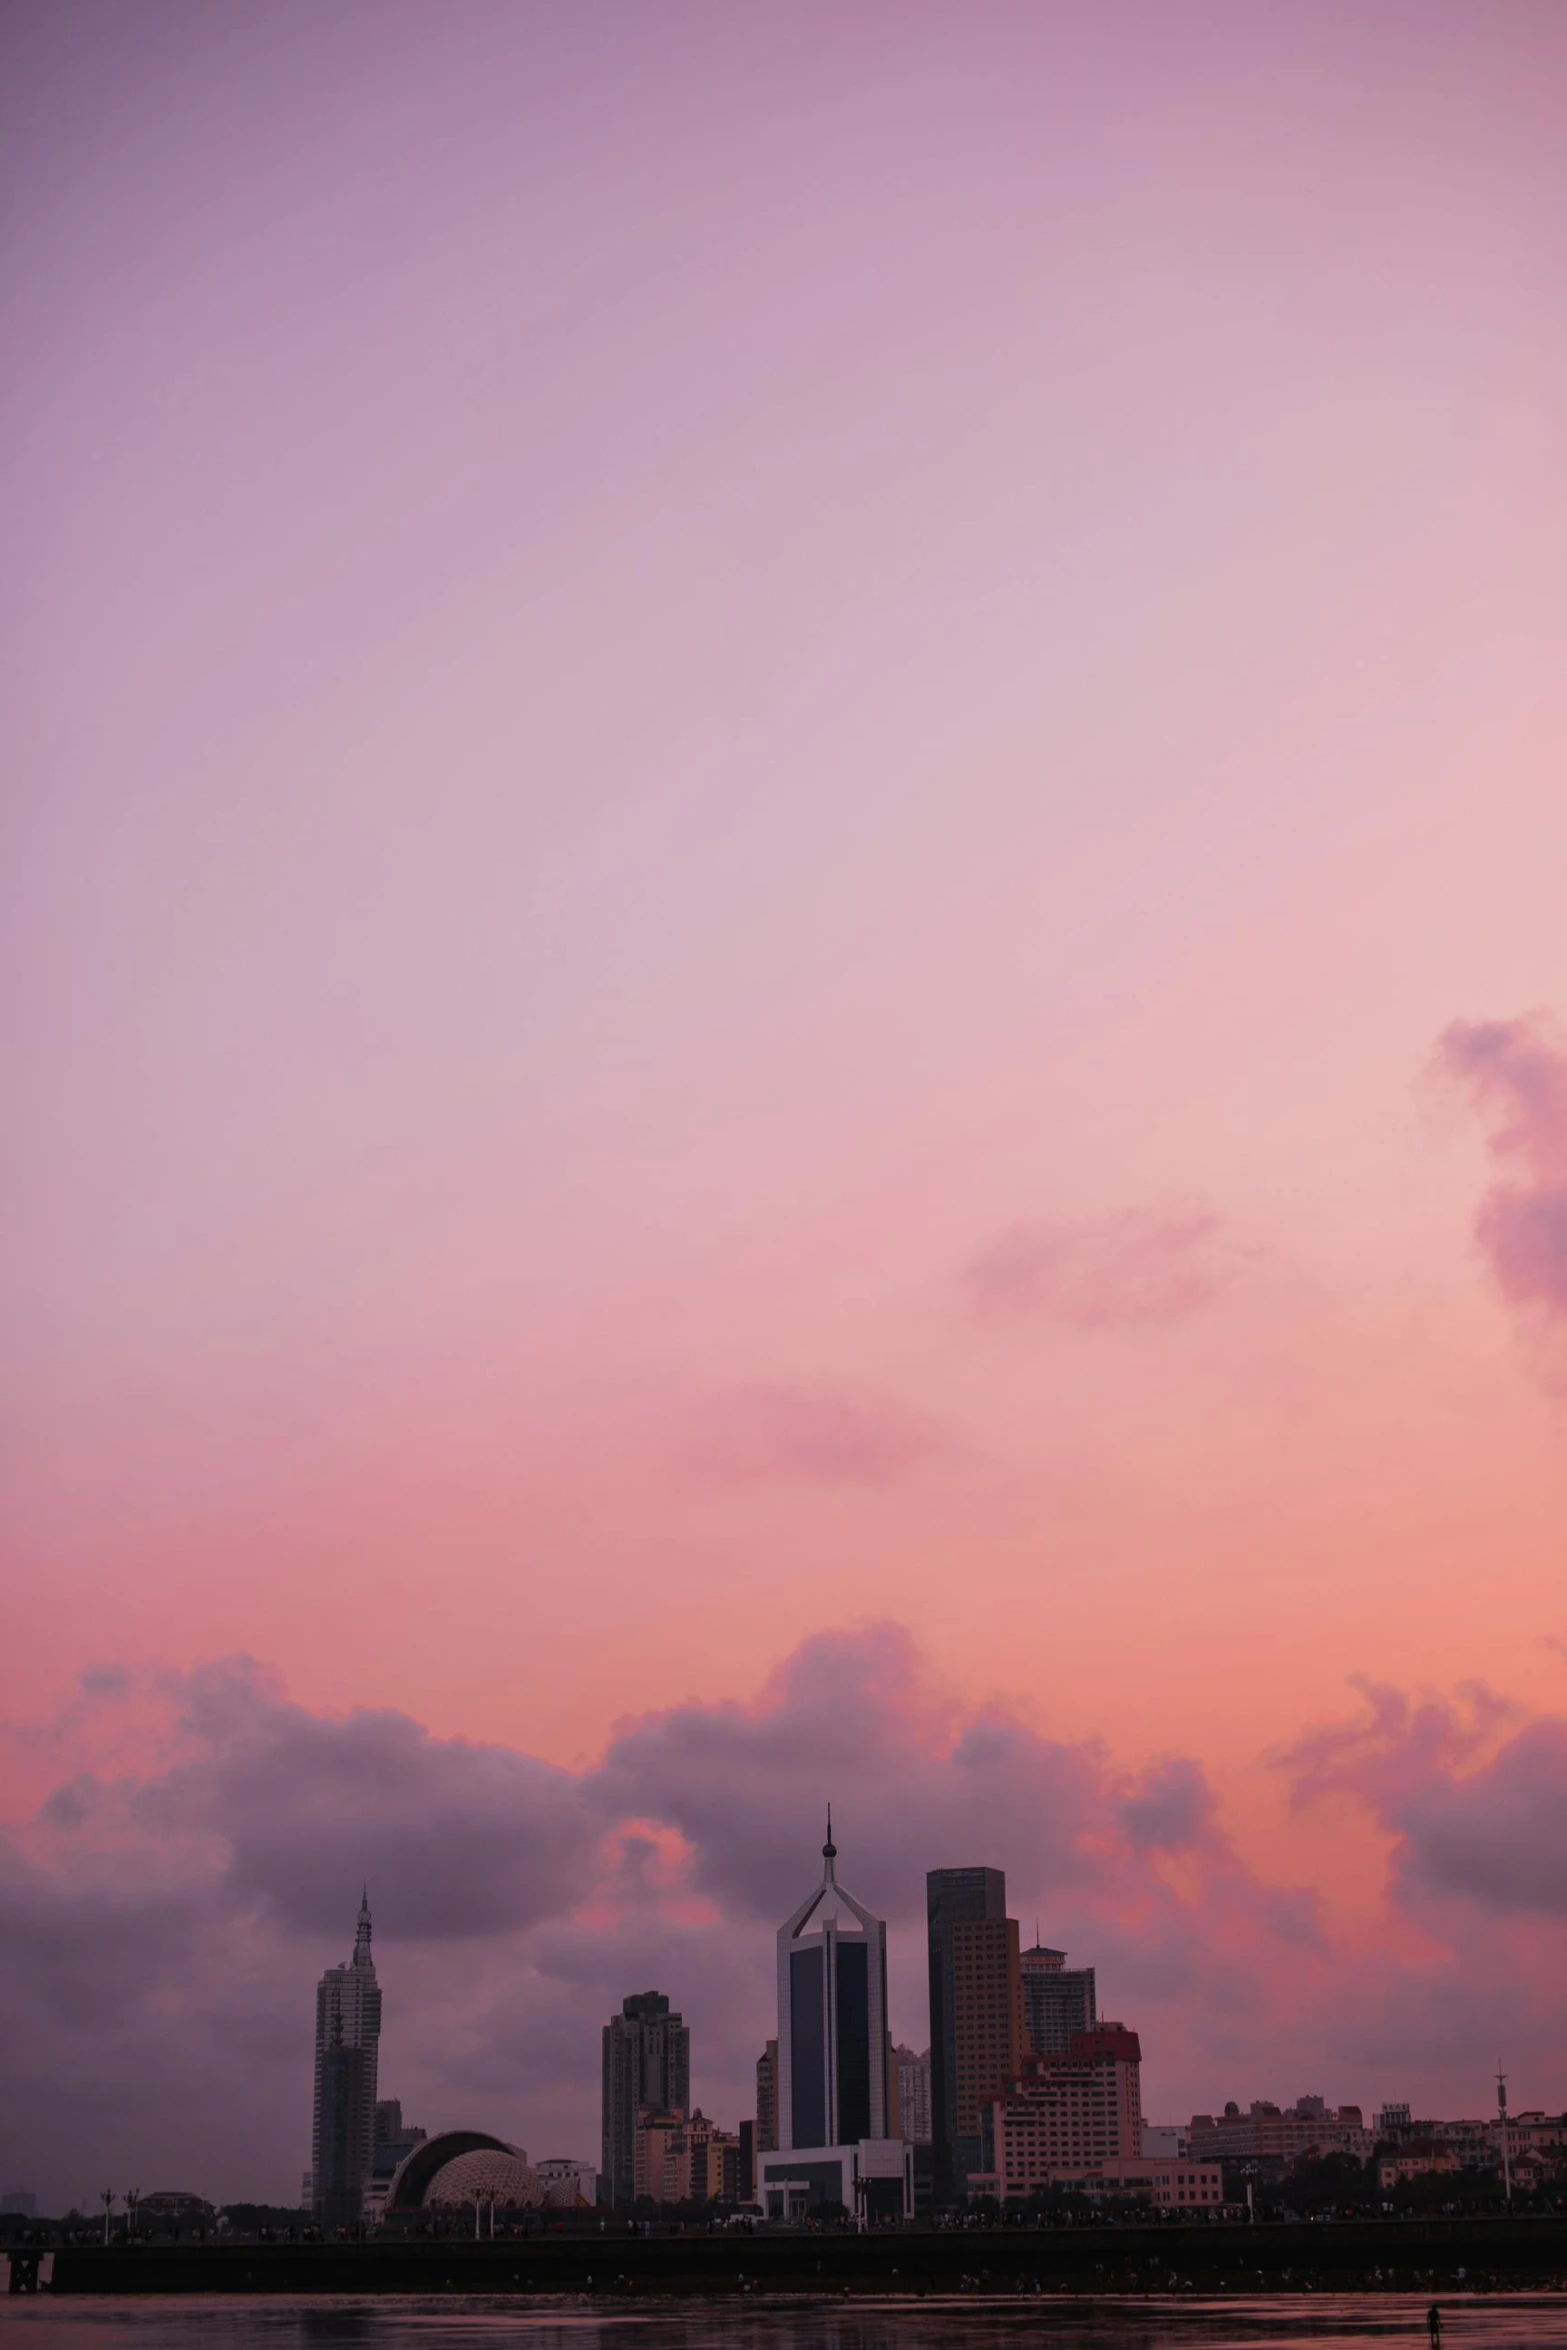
348 2035
832 2018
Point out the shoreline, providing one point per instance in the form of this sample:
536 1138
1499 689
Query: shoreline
1479 2259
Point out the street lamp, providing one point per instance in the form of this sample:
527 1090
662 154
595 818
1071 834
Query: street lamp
108 2199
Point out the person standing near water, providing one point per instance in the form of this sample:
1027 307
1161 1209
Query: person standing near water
1434 2322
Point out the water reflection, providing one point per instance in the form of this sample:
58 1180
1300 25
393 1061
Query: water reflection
1514 2322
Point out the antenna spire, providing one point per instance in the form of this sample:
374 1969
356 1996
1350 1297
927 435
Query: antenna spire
829 1849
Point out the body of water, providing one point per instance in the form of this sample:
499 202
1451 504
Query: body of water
1494 2322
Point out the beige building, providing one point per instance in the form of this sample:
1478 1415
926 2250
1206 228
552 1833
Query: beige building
1269 2133
1169 2183
1418 2158
685 2159
1074 2114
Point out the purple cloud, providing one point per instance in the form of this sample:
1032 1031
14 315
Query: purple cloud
814 1435
1140 1265
1171 1809
849 1719
1515 1073
463 1840
1473 1798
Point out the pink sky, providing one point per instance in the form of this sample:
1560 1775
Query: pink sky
755 760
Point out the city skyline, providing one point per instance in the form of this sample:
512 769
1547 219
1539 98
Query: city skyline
785 1020
987 2103
736 1984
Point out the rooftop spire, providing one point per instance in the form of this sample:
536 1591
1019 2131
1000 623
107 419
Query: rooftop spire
362 1929
829 1849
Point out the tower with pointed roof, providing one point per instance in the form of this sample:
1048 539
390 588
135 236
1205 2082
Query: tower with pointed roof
348 2035
832 2018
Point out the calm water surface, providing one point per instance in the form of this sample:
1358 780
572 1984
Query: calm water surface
1499 2322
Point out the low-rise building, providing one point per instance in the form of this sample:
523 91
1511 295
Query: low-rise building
873 2179
564 2179
1416 2158
1474 2142
1534 2132
173 2208
1270 2133
1169 2183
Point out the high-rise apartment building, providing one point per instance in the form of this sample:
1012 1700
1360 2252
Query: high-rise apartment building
913 2093
977 2035
348 2034
647 2063
832 2018
1058 2000
767 2099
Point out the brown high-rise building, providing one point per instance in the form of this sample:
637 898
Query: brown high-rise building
977 2033
990 2033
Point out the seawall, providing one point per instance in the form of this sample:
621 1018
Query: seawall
1342 2255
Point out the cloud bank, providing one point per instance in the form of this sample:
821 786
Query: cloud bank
1473 1799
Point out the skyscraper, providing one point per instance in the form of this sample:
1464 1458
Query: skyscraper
348 2034
832 2018
977 2036
647 2063
767 2098
1058 2000
914 2092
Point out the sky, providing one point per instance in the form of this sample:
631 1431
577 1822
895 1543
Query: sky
784 1018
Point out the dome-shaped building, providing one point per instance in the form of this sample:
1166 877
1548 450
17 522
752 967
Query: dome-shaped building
506 2178
452 2168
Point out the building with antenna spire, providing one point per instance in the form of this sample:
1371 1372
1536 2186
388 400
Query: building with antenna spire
348 2036
832 2063
832 2017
